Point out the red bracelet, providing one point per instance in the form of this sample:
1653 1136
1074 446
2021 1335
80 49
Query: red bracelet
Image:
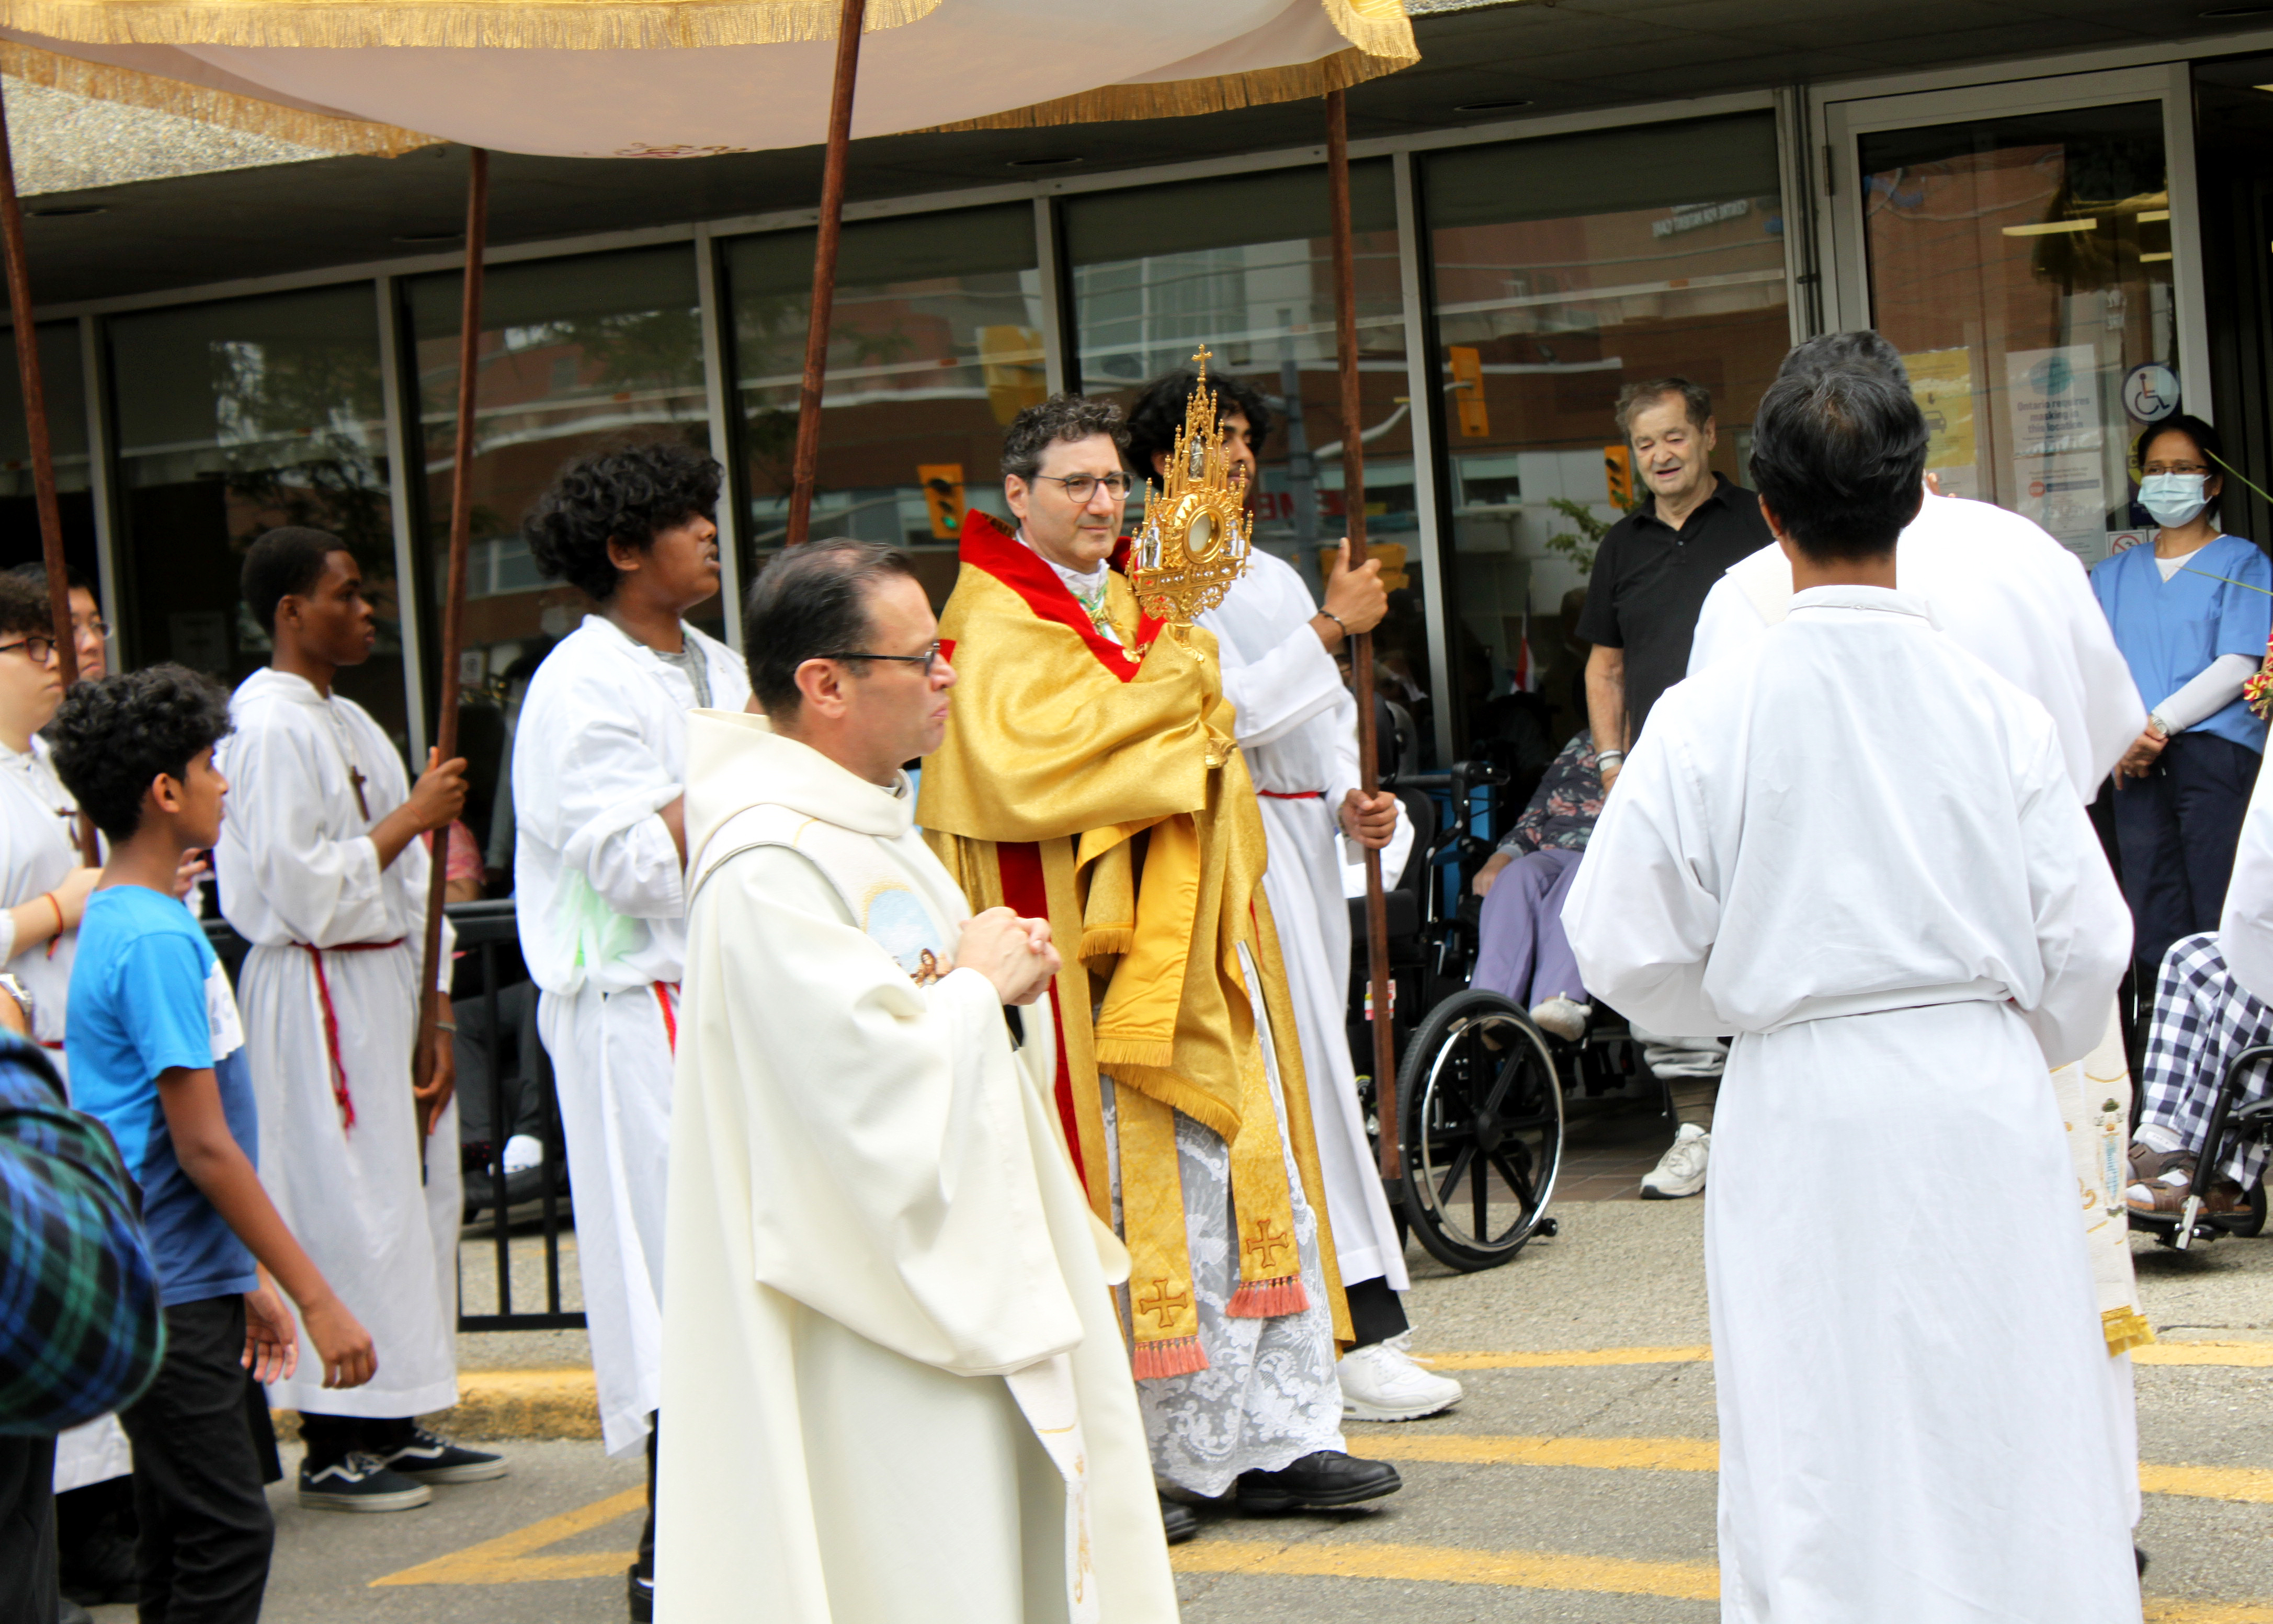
50 898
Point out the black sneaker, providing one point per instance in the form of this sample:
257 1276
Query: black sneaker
639 1593
359 1482
428 1458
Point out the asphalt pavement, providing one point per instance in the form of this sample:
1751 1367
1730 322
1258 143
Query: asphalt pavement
1574 1483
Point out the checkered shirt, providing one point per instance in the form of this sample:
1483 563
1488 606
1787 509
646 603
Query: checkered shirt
81 1332
2203 1018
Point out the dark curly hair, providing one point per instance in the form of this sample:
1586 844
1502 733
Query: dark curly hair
24 607
1060 417
1159 412
284 562
627 495
112 739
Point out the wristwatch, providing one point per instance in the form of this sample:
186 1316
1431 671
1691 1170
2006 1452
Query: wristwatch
2157 727
17 990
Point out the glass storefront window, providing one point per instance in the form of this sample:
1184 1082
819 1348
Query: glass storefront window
235 417
2022 265
935 344
67 390
1244 264
575 355
1565 268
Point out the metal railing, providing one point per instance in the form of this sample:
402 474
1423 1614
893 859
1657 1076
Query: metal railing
501 1066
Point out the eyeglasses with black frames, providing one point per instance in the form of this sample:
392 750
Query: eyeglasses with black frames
1080 487
929 659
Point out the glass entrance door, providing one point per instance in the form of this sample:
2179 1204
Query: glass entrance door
2023 260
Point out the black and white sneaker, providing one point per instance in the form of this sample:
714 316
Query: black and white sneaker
360 1483
428 1458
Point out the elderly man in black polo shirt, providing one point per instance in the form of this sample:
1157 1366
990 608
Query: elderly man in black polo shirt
1650 580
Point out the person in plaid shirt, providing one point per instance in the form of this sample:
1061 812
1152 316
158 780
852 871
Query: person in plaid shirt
80 1333
1523 953
2213 998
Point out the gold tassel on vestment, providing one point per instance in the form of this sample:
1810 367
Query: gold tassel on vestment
2125 1328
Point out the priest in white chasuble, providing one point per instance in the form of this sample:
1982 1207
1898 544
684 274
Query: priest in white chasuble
1092 777
1857 847
887 1301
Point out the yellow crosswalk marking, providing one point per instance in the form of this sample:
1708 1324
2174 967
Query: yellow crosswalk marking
2229 1353
1534 1570
1566 1356
2247 1484
2204 1353
513 1558
510 1559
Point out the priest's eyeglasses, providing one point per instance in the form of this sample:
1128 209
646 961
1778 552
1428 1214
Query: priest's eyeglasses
929 659
1080 487
37 650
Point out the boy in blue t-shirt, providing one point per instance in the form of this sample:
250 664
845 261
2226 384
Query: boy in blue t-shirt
157 1054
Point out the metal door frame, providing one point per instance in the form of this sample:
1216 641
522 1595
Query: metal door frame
1843 114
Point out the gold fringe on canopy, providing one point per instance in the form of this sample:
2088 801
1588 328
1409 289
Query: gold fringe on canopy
1380 43
106 82
559 25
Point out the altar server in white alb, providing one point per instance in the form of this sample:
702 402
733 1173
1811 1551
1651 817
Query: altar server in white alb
890 1304
1857 848
2018 601
1297 726
321 868
599 775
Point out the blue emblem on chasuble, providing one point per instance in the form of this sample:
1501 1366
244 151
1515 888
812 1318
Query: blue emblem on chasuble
898 922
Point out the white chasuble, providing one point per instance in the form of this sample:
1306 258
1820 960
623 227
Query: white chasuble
1297 726
599 750
1857 849
330 997
889 1312
2014 598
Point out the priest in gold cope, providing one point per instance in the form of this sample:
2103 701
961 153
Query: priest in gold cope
1090 775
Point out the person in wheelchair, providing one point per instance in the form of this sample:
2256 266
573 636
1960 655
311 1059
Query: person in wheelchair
2213 999
1521 951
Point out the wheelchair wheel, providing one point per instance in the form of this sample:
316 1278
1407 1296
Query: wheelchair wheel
1480 1108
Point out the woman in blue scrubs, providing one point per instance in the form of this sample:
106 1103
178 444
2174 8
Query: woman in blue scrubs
2192 639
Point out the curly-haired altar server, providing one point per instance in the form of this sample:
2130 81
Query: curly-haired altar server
599 773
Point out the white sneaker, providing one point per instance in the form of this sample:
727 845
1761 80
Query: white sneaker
1381 1382
1563 1017
1680 1171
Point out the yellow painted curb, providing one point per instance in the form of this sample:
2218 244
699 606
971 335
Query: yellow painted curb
523 1405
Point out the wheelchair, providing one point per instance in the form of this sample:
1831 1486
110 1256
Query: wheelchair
1481 1090
2231 1123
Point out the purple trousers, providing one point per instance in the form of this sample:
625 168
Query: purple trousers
1523 953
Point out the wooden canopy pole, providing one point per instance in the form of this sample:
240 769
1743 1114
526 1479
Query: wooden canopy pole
806 463
43 456
453 606
1376 905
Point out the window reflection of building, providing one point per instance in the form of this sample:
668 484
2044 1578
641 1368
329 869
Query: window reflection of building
575 355
234 417
1565 268
935 344
1245 266
66 391
2023 264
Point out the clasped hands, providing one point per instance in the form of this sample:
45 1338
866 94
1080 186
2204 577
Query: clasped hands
1015 954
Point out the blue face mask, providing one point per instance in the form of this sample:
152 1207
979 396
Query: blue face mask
2174 499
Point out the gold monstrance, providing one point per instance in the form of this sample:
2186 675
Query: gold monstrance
1193 542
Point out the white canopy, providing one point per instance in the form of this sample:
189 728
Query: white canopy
619 79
